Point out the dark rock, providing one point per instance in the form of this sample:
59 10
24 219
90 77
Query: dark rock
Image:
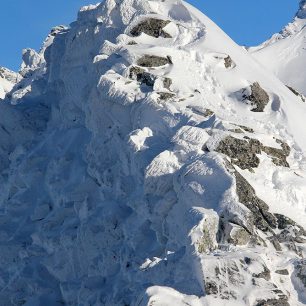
152 27
206 112
282 272
243 152
258 98
153 61
247 129
228 62
290 233
276 244
263 219
284 222
302 97
132 43
247 260
211 288
273 302
136 73
139 74
279 156
166 95
265 274
233 233
280 300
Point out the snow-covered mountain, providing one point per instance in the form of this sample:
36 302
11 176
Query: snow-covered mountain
146 159
8 79
285 53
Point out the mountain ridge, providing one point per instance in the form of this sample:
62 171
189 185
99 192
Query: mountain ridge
148 159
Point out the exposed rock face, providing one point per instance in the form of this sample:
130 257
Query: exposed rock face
263 219
140 75
302 97
282 301
282 272
237 235
228 62
166 95
279 156
258 98
243 152
153 61
151 26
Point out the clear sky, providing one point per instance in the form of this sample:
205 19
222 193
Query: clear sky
25 23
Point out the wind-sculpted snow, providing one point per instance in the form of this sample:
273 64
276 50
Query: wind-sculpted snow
120 184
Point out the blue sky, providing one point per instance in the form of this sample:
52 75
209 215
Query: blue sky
25 23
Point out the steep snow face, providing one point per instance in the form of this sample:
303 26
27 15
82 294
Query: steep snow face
148 159
285 53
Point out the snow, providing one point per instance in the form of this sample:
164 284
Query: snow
8 79
112 195
284 54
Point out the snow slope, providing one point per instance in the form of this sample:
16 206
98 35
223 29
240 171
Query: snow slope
285 53
146 159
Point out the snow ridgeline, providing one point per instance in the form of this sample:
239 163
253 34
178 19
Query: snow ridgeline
284 53
146 159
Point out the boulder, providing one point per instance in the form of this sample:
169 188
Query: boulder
140 75
228 62
166 95
258 97
153 61
282 272
263 219
152 27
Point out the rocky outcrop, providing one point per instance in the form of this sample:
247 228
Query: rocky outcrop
282 301
261 216
152 27
282 272
140 75
244 152
165 95
153 61
257 97
228 62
